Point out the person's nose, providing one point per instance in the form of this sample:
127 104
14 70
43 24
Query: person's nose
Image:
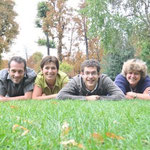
132 75
17 74
49 70
90 75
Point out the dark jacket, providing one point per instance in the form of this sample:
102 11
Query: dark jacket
8 88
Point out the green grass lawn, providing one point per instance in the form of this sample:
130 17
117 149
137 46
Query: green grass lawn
74 125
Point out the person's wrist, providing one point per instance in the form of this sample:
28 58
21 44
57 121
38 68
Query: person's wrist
135 96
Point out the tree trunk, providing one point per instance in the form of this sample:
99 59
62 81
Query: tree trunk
59 52
47 43
86 43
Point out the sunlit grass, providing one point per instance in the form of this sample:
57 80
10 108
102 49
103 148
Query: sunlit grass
128 121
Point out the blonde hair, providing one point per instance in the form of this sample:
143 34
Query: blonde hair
134 65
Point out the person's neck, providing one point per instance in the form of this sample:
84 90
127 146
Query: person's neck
92 89
51 83
133 88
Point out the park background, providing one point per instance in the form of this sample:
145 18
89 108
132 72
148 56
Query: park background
110 31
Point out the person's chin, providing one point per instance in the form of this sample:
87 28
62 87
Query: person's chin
132 83
90 86
16 82
50 78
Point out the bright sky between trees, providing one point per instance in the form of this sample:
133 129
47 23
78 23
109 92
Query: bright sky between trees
25 43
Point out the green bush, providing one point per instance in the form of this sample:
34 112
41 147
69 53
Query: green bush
65 67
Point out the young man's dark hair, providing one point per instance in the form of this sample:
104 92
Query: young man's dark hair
90 63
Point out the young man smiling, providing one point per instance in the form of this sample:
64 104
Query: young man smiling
91 85
16 82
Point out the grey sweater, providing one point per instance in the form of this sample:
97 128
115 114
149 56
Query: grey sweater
106 89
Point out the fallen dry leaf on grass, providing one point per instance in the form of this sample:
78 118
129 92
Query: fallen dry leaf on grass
25 132
98 137
13 107
72 142
114 136
54 103
65 128
21 127
65 125
14 127
69 142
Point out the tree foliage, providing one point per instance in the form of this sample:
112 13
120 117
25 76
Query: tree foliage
8 26
43 42
41 14
54 21
66 67
35 60
117 24
138 12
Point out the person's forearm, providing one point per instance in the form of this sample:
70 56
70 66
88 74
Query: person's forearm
63 96
141 96
4 99
53 96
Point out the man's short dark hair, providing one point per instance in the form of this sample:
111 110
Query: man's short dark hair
19 60
49 59
90 63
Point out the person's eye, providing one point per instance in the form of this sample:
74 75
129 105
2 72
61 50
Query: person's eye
13 71
53 68
20 72
87 73
47 68
94 73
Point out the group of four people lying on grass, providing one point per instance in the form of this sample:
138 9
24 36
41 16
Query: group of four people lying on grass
18 82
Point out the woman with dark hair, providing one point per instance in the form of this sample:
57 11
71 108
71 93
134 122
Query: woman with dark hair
50 80
133 80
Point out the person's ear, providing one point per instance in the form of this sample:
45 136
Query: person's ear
81 73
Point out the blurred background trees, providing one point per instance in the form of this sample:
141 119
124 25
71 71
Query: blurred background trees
110 31
8 25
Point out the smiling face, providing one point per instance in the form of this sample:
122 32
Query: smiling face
16 71
133 77
50 72
90 77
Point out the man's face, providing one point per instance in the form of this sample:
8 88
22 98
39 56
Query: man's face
90 77
16 71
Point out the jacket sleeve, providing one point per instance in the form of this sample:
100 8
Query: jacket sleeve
120 81
70 91
3 91
114 92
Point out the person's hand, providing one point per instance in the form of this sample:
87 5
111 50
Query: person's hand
3 99
93 97
131 95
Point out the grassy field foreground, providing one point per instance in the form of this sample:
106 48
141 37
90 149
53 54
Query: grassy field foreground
56 125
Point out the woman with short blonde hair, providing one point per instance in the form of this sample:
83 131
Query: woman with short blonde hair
133 80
